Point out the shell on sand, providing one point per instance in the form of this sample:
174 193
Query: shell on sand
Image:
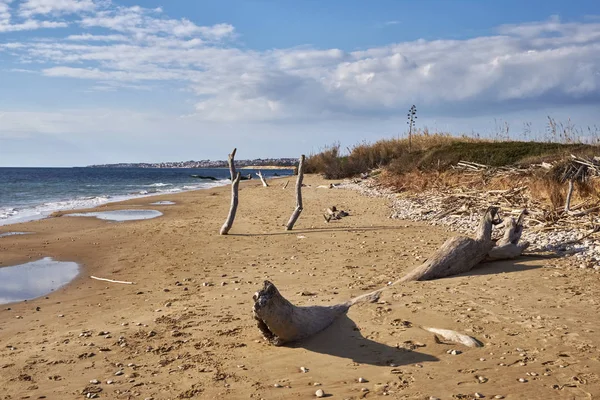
282 322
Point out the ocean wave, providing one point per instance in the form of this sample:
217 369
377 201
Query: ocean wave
12 214
159 184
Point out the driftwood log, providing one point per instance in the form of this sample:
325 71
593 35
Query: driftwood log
458 254
282 322
235 183
508 247
298 209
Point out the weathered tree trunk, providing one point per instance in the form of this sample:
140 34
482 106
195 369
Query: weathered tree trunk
572 187
235 183
508 247
262 179
231 162
299 208
569 194
458 254
234 204
281 322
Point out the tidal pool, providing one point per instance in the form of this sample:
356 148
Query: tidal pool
163 203
34 279
120 215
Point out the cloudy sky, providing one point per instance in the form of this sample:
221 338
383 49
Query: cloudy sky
101 81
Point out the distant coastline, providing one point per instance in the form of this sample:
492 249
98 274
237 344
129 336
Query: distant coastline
268 167
260 163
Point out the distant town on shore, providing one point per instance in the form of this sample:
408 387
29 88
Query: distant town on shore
258 162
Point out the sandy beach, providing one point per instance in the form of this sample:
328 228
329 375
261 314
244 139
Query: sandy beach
185 328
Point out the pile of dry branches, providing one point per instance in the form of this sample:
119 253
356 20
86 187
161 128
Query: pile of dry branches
565 229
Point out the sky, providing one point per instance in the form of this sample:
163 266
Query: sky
105 81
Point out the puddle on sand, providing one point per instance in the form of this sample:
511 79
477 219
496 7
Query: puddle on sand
14 234
34 279
163 203
120 215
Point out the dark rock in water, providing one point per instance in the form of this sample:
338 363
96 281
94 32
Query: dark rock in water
210 178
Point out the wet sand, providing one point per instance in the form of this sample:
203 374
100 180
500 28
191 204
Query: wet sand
185 329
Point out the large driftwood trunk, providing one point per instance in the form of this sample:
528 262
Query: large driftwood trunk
458 254
508 247
235 183
282 322
299 208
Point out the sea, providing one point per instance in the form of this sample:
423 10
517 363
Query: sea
28 194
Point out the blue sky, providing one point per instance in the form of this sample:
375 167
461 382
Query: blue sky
95 81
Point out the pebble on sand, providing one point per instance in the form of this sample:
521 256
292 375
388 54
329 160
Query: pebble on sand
320 393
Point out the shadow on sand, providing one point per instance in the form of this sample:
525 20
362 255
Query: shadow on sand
316 230
502 267
343 339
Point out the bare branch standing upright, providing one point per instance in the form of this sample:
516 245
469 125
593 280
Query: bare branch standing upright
235 183
262 179
299 208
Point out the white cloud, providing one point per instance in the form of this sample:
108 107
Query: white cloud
30 25
6 24
142 22
30 8
86 37
537 63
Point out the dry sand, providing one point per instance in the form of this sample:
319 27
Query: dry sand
174 337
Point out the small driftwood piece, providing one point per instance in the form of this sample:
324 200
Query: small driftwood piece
333 214
282 322
285 185
508 247
454 336
235 183
298 210
112 280
262 179
458 254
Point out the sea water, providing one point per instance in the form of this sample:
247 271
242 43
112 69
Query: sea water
28 194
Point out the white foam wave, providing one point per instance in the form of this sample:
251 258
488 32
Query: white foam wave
160 184
13 215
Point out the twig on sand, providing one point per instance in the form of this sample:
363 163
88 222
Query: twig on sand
112 281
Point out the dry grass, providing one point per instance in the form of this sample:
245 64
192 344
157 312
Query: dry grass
542 186
437 152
